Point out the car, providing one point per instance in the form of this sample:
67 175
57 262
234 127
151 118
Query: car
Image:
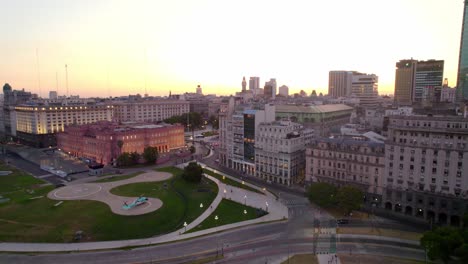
342 221
217 160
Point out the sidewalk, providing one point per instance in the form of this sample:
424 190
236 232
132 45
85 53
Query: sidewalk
328 259
277 211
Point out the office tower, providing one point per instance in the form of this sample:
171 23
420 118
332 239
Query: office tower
271 83
199 90
418 81
268 91
428 81
53 95
404 81
284 90
244 84
339 83
254 83
365 87
462 79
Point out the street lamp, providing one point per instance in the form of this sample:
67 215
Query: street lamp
217 241
185 226
266 206
224 193
243 182
245 199
201 205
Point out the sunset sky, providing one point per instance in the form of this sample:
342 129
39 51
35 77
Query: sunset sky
110 46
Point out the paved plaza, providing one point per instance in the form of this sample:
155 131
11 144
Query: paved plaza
101 192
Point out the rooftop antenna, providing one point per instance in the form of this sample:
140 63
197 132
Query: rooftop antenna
38 74
66 78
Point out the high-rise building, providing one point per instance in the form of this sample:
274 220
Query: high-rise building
271 83
282 162
268 91
418 81
428 81
199 90
425 167
462 79
244 84
53 95
254 83
404 81
365 87
284 90
339 83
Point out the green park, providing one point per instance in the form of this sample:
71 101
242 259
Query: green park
28 215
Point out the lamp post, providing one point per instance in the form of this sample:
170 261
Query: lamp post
201 205
224 193
245 199
185 226
266 206
217 240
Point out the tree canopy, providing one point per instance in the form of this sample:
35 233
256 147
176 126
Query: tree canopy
193 172
323 194
195 120
444 242
349 198
150 154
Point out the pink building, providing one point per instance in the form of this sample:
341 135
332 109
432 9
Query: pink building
100 141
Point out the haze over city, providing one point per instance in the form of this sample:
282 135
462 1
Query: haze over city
115 47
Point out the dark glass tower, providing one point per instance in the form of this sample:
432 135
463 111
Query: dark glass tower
462 79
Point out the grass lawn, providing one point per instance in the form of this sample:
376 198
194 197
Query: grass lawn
379 232
228 212
16 181
371 259
38 220
119 177
231 182
302 259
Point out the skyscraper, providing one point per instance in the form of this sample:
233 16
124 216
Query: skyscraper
404 81
418 81
365 87
254 83
339 83
271 83
284 90
462 79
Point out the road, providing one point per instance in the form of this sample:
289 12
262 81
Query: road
251 244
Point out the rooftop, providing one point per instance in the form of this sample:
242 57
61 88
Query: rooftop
313 108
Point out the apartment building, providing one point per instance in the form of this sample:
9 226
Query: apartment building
426 164
36 125
279 152
149 110
344 161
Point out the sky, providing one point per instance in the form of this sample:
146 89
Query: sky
114 47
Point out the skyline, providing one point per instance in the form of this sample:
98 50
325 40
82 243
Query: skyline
112 47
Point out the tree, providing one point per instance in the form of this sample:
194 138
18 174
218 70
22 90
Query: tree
120 144
192 149
443 242
124 159
135 157
323 194
314 93
193 172
150 154
214 122
349 198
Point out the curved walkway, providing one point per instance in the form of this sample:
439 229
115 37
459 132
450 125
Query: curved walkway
101 192
276 211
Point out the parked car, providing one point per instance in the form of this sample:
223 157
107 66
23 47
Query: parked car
342 221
